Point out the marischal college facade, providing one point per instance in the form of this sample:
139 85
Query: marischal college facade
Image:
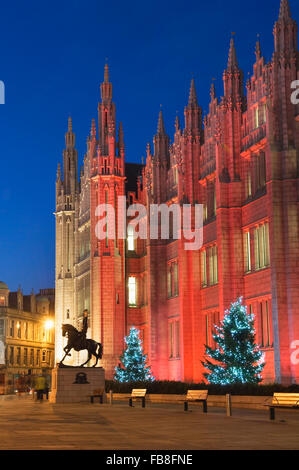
241 161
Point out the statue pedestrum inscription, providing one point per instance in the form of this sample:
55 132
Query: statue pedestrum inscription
76 384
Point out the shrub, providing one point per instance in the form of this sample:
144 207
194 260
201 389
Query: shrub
180 388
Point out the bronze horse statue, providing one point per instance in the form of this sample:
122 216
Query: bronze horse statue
77 341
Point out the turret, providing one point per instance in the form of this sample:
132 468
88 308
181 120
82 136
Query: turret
70 162
161 142
233 77
285 32
106 111
193 113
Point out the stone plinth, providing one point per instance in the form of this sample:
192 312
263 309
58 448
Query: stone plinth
75 384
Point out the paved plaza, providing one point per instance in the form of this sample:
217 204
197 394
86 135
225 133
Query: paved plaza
26 424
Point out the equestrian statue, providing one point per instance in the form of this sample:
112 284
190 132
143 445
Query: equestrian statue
77 341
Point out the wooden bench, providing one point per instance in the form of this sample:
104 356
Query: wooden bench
197 396
138 393
99 393
283 400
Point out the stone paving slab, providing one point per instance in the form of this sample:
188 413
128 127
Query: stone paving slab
26 424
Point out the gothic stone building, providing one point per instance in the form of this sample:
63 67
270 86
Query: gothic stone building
26 337
241 161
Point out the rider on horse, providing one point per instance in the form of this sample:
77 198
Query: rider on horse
77 340
82 337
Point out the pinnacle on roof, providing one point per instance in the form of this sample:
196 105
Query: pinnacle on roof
161 127
232 56
284 11
192 95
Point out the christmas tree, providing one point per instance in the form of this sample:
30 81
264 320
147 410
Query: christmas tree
134 361
237 359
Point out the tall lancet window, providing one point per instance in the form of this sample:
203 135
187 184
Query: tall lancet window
130 240
132 291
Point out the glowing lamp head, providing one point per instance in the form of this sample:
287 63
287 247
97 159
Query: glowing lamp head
49 324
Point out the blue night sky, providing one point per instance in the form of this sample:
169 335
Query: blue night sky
52 57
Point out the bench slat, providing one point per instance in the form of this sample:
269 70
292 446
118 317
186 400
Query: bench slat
285 399
197 395
138 393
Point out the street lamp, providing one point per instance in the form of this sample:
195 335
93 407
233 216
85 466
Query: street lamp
49 324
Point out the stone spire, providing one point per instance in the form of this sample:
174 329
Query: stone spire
161 140
161 127
192 95
232 63
193 114
233 76
284 12
106 74
70 136
285 32
70 161
213 91
258 52
106 87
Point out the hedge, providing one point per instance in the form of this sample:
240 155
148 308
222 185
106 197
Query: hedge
180 388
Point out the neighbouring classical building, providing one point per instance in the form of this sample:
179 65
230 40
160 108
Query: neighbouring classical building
241 161
26 337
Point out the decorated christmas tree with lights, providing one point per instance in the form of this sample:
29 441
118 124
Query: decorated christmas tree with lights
134 362
237 359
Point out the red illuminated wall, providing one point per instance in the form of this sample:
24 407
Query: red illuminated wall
242 164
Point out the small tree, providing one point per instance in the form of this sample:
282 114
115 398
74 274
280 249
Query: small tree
237 359
134 368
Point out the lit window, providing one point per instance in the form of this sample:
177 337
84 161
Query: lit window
31 357
175 175
174 339
37 357
132 290
131 241
171 340
25 356
247 254
173 279
19 356
203 268
261 246
213 265
12 328
11 355
249 183
265 113
265 324
209 266
205 212
2 301
256 114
